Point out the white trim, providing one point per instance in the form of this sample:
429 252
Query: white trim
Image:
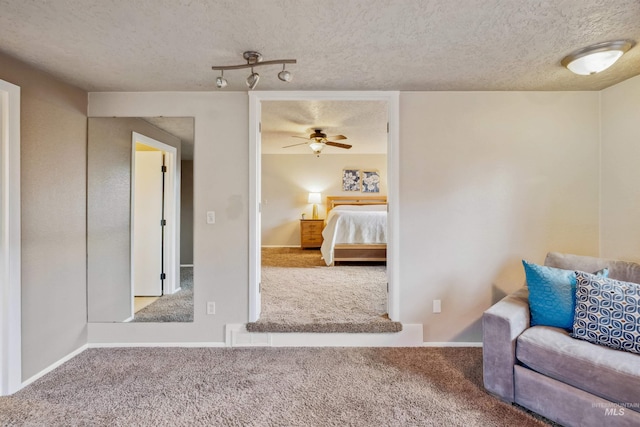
393 174
186 265
156 344
452 344
236 335
10 244
55 365
281 246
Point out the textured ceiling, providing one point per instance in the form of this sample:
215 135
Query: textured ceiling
364 123
144 45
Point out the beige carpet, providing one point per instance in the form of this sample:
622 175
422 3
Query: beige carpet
301 294
176 307
264 387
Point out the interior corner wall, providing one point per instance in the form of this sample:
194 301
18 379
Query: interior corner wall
487 179
620 181
53 179
287 180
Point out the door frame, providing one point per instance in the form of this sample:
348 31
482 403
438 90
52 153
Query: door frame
255 178
172 280
10 244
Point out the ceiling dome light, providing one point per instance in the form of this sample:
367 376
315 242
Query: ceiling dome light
253 79
316 147
596 58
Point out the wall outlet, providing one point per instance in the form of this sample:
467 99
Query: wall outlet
211 217
436 306
211 307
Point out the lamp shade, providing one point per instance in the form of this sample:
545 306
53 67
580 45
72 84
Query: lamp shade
315 198
316 146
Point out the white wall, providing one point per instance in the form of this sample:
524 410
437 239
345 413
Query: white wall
221 184
287 180
620 208
489 178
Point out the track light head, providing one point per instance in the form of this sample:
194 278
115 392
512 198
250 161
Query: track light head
221 82
253 79
284 75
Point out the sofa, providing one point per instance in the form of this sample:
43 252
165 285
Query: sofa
542 368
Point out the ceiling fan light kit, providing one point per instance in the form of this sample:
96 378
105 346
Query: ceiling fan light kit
254 59
318 140
596 58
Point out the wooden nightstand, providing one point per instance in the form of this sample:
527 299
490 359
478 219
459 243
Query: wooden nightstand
311 233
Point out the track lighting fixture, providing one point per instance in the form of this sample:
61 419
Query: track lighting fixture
254 59
595 58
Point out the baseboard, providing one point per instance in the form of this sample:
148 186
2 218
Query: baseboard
280 246
155 344
54 365
452 344
186 265
236 335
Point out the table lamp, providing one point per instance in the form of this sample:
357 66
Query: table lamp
315 198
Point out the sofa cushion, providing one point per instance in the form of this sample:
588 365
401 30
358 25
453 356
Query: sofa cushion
607 312
611 374
552 295
619 270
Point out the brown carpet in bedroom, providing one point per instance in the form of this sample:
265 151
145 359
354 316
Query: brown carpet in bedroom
264 387
301 294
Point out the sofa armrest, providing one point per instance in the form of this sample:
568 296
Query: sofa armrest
501 325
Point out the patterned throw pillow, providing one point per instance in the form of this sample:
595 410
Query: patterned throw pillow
552 295
607 312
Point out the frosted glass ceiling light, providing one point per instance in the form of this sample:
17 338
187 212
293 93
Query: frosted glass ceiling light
317 148
254 59
595 58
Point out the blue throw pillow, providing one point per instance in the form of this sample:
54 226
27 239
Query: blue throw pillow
607 312
552 295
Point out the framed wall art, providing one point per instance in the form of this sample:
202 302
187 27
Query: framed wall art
370 181
351 180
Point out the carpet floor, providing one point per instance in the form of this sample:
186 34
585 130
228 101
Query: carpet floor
264 387
301 294
176 307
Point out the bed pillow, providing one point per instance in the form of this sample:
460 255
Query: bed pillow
552 296
607 312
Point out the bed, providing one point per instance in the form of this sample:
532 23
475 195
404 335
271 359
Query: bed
355 230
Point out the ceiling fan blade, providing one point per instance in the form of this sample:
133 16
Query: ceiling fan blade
293 145
301 137
338 137
337 144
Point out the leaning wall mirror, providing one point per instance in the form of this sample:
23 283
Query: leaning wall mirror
140 219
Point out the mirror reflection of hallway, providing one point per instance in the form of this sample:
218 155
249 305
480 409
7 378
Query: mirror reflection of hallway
113 220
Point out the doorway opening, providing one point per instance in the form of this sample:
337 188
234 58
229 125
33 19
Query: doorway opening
153 221
260 101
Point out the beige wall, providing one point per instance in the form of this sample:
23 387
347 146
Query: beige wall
221 184
53 156
489 178
620 208
287 180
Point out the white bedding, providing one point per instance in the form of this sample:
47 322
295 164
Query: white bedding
365 224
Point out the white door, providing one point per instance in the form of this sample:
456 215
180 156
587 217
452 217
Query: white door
147 231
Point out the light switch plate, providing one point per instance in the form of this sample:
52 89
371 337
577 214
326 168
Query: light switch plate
211 217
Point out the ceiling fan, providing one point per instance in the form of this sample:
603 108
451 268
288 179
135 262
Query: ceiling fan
318 140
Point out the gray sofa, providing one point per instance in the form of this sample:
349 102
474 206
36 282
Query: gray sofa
570 381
